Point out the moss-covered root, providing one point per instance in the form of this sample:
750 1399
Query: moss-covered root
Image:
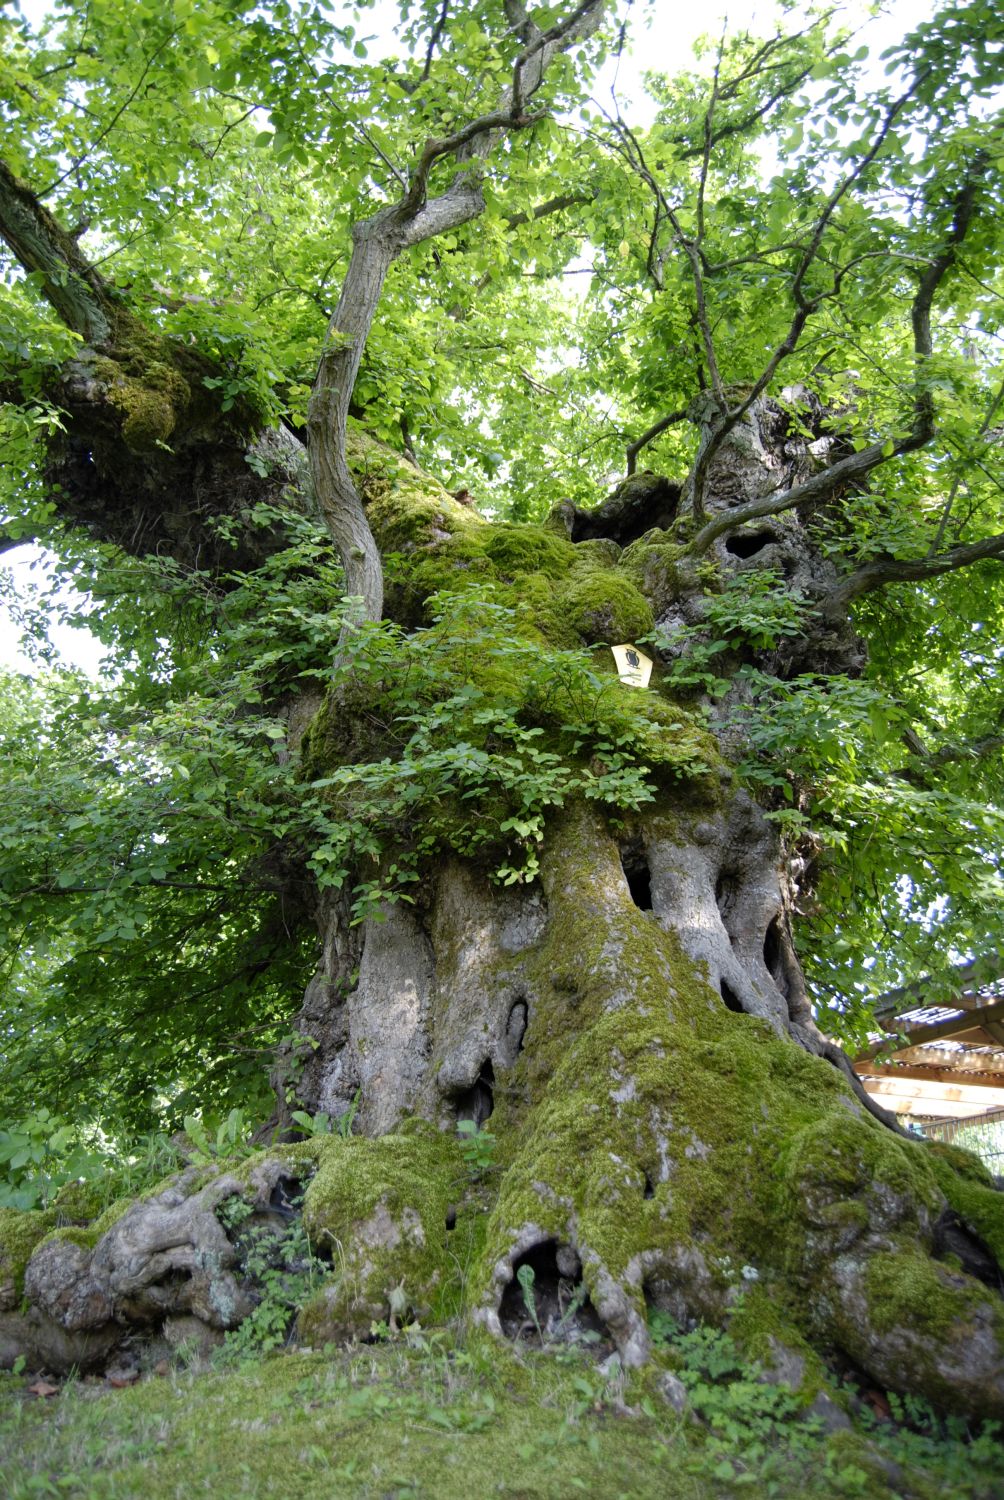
382 1209
683 1154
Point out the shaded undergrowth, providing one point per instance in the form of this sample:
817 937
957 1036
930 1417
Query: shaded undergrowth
422 1415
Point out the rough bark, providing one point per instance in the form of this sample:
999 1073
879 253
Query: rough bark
673 1130
147 458
376 244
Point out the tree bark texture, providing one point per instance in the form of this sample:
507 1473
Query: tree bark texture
672 1126
672 1130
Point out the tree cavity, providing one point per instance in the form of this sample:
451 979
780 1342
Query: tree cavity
546 1300
634 863
641 503
477 1102
746 544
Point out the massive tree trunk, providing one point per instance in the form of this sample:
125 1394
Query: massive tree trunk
671 1129
633 1027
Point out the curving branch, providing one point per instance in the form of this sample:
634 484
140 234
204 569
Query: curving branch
884 570
857 465
648 436
376 244
805 306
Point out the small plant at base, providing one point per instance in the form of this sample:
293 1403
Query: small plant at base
312 1125
230 1139
282 1269
526 1278
344 1122
477 1146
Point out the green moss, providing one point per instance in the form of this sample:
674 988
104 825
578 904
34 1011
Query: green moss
967 1185
379 1207
843 1170
79 1202
766 1320
905 1288
656 567
633 1076
111 1215
20 1232
84 1235
436 1420
408 509
518 550
149 394
606 606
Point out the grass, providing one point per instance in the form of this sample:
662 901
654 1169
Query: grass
430 1418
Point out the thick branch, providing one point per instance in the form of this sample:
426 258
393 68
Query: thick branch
376 243
68 282
857 465
883 570
805 306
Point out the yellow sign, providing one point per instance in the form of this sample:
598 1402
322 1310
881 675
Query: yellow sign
633 666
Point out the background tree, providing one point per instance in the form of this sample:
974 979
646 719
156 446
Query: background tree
540 896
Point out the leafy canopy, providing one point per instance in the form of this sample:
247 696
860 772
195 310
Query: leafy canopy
214 157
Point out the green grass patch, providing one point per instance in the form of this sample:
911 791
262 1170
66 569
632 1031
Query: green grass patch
430 1418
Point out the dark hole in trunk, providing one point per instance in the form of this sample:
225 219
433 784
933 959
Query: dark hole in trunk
477 1102
639 504
649 1189
286 1197
550 1304
748 544
773 957
951 1237
731 998
515 1029
451 1217
637 874
726 891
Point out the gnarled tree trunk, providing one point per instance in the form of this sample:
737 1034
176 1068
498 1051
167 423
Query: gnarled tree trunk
671 1125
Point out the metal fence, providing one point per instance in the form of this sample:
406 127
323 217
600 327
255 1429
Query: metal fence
981 1134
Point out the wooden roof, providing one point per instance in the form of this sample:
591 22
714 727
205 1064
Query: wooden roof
940 1059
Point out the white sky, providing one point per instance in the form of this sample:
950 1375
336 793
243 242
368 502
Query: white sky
661 39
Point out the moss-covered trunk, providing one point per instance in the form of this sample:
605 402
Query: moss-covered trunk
670 1126
657 1124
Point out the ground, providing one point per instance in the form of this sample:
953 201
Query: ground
422 1416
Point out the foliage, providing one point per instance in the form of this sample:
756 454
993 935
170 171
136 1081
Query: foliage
154 829
228 1140
481 734
477 1147
761 1438
144 834
40 1153
47 1160
282 1271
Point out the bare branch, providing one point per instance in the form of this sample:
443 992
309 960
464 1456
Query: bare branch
883 570
435 38
633 449
376 243
804 306
555 205
856 465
